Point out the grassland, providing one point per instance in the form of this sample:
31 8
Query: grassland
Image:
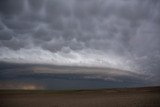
124 97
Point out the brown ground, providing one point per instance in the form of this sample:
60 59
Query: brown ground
135 97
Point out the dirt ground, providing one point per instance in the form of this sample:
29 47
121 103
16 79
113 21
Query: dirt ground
133 97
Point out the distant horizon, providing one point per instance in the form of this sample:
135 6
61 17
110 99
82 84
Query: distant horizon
83 89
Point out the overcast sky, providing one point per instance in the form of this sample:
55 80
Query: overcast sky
118 34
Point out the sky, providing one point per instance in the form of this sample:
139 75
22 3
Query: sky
79 44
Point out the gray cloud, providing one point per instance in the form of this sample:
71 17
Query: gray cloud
36 76
5 35
118 34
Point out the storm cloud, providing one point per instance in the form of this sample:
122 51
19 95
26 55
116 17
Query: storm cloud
120 34
38 76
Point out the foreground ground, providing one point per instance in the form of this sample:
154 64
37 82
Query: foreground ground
133 97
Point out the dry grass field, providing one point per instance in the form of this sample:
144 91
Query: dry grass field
132 97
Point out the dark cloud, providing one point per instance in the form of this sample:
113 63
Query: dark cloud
118 34
5 35
9 7
56 77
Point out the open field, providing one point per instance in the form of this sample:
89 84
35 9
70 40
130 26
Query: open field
126 97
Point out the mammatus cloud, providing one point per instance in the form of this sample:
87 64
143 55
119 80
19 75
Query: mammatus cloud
105 33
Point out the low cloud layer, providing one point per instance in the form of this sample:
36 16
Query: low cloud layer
35 76
121 34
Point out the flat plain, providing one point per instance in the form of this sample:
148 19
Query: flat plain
120 97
